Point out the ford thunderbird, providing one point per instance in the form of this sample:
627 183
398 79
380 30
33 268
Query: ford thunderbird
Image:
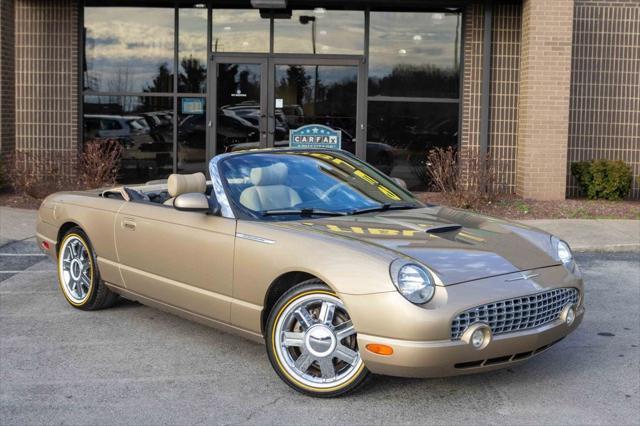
339 270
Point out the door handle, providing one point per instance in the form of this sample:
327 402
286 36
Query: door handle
129 224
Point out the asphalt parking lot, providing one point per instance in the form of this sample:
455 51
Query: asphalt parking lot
136 365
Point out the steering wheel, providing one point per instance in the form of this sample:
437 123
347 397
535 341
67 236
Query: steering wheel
329 192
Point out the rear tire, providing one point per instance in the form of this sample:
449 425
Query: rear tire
312 344
78 274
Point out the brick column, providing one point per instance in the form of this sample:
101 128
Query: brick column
46 85
545 79
7 81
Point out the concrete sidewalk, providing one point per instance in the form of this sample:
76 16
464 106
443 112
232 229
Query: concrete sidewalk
582 234
593 235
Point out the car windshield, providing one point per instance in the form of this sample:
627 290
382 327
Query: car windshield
288 185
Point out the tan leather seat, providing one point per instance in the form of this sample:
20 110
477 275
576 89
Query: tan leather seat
269 191
183 184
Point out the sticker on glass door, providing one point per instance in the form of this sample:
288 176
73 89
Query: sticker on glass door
315 136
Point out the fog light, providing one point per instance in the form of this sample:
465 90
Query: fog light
477 338
571 315
477 335
568 314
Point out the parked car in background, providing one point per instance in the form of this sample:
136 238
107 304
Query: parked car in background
143 154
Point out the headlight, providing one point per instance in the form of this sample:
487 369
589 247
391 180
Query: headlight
413 281
563 254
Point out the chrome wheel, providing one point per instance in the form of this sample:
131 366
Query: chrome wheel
316 340
76 269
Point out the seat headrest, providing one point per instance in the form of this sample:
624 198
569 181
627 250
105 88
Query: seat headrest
182 184
275 174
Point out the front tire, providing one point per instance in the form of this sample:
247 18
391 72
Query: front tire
78 274
311 342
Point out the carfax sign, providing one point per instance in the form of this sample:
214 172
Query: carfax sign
315 136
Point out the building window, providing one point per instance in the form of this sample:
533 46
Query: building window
239 30
128 49
411 129
413 89
143 125
192 50
130 95
320 31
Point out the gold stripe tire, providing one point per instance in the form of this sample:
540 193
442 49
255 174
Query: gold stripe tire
314 351
78 274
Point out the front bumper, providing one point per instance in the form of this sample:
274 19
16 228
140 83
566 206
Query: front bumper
455 357
421 335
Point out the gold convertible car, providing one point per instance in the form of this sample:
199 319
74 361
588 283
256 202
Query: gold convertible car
334 265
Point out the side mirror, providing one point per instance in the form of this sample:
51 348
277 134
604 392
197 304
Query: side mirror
400 182
192 202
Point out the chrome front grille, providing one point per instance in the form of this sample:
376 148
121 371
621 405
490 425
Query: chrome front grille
520 313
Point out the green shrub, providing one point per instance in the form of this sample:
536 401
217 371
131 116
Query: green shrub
603 179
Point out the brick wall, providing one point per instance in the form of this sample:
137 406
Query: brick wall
505 84
46 84
545 71
7 95
605 88
472 79
505 75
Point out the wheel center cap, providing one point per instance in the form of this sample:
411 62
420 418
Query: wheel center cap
76 269
320 340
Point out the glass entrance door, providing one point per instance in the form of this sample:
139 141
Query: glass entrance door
240 119
315 94
260 99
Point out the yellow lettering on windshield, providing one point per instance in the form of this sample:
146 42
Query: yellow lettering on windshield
362 175
323 156
386 191
340 162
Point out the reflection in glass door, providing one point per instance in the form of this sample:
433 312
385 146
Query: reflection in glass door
240 120
314 94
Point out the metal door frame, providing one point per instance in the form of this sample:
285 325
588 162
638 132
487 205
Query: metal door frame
212 101
267 90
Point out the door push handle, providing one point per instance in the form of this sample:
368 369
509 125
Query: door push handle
129 224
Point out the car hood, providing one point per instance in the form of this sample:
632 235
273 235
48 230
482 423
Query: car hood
457 245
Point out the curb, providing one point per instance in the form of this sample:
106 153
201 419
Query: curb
619 248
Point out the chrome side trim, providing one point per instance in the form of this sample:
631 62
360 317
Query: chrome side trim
218 189
254 238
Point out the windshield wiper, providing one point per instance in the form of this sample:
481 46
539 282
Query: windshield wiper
303 212
384 207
